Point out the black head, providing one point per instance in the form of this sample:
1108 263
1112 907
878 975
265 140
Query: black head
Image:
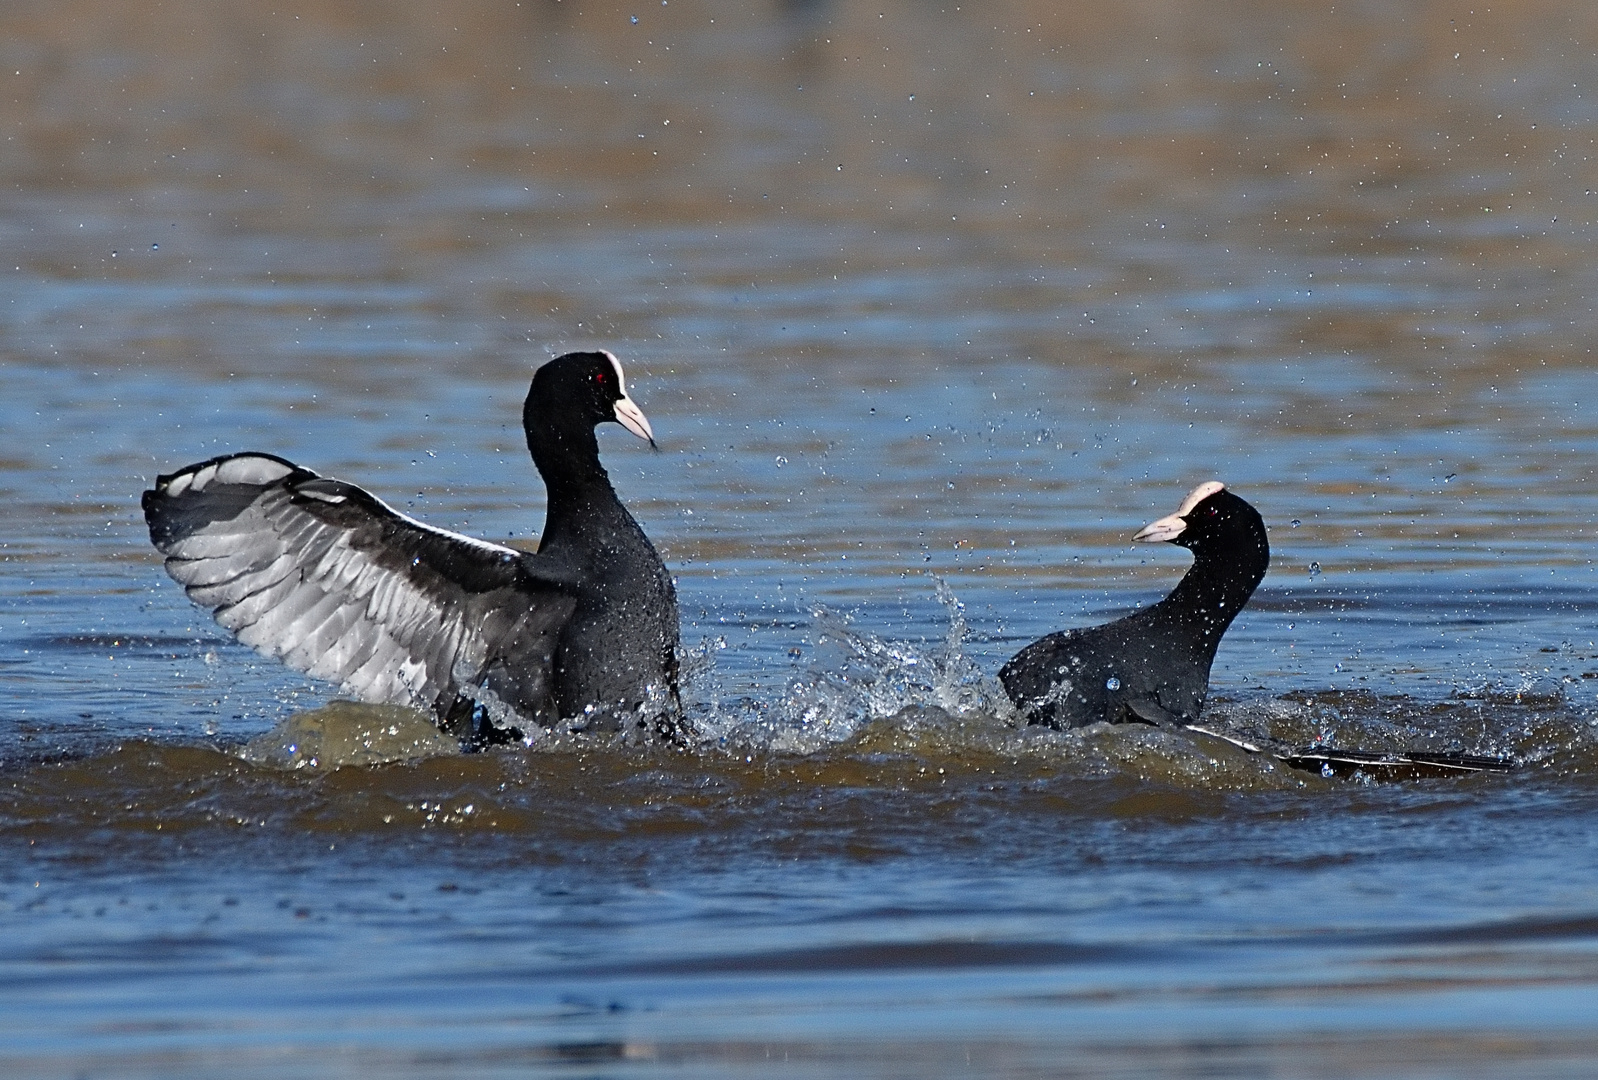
570 396
1212 522
581 390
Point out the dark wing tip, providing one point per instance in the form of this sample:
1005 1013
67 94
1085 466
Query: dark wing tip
216 489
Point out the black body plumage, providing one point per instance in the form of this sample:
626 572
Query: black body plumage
1152 666
324 576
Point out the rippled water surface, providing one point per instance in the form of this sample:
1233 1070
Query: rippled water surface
931 306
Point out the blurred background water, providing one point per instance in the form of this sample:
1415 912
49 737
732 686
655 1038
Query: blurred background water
932 305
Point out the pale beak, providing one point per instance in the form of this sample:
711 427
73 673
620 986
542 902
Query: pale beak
631 417
1167 528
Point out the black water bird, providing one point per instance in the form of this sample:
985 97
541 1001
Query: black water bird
323 576
1152 666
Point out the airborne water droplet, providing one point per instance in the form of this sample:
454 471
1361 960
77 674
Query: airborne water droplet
1112 683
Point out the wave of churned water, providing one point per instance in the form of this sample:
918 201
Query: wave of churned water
358 768
899 727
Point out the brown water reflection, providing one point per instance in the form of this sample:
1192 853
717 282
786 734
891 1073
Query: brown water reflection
1037 146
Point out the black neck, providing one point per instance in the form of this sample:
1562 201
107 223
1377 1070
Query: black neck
566 453
1216 587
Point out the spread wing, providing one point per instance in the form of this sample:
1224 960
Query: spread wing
323 576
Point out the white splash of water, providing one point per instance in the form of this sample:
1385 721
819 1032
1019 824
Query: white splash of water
854 679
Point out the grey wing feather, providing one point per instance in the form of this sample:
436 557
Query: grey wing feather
325 577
